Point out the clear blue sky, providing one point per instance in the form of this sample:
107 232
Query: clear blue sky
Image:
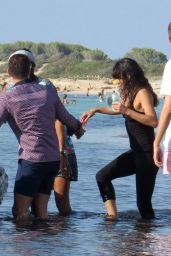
114 26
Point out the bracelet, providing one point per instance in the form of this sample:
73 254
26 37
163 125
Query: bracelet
63 153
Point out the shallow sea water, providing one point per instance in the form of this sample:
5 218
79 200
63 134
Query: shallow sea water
85 232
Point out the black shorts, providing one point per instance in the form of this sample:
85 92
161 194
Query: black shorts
72 174
33 178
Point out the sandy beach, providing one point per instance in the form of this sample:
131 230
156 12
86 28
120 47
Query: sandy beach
70 86
78 86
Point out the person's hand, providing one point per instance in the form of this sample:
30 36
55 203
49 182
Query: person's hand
86 115
63 161
79 133
157 156
119 108
64 166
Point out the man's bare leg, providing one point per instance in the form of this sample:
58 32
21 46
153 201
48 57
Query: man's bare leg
40 206
21 206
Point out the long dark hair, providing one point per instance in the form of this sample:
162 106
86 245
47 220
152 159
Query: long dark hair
133 79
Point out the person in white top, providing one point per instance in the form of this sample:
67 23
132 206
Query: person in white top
163 159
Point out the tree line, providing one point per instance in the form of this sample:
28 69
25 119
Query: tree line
76 61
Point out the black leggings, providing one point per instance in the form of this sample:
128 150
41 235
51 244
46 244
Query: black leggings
131 162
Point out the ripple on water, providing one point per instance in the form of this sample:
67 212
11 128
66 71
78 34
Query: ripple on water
87 233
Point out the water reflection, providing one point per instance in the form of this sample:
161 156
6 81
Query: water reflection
134 236
87 233
37 237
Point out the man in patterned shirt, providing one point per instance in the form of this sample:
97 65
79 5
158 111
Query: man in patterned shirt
31 110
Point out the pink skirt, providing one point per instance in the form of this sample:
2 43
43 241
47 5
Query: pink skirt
167 161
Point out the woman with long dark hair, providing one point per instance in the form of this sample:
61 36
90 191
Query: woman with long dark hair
137 106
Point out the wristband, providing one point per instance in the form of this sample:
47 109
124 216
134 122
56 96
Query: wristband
63 152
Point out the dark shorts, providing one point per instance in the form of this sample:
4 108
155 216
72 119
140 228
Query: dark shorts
72 168
33 178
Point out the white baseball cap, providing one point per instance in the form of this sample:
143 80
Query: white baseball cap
26 53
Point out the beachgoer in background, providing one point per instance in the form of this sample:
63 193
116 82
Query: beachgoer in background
73 101
88 91
113 93
31 108
68 170
163 159
100 97
102 93
137 107
65 100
